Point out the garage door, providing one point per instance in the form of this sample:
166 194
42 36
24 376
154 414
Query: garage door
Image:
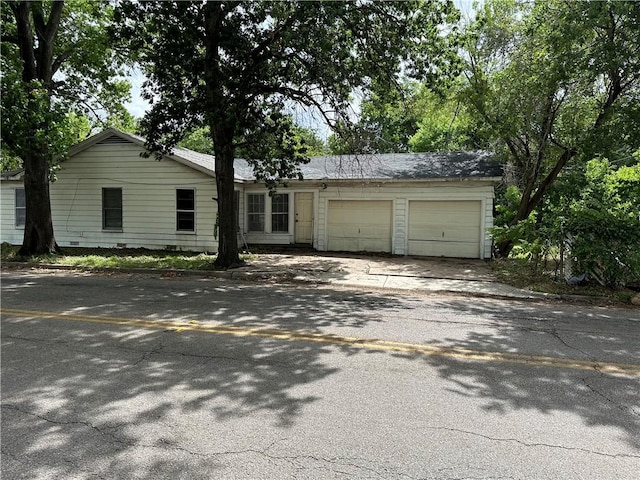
444 228
357 226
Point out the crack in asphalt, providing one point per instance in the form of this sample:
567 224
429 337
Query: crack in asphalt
530 444
146 354
596 391
554 333
296 461
101 431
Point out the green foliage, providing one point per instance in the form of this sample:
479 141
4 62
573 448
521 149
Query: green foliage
592 213
199 140
237 67
415 118
604 223
274 150
556 84
444 125
45 96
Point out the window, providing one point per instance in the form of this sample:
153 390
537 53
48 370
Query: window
186 210
21 207
112 208
280 213
255 212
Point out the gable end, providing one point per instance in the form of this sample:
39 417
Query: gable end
113 140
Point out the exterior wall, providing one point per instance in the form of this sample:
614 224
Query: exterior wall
8 231
149 203
148 200
267 237
400 193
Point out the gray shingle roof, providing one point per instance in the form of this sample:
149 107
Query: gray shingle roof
399 166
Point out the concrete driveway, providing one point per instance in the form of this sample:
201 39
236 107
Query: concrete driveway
416 274
345 263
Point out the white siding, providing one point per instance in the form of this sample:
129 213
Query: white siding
8 231
148 200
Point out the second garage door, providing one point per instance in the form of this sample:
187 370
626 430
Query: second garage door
444 228
359 225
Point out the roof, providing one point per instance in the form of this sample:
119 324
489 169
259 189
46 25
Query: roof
396 166
388 166
12 175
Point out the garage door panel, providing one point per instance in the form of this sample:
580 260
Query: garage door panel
444 228
359 225
443 249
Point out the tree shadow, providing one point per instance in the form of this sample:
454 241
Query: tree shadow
597 398
81 399
104 399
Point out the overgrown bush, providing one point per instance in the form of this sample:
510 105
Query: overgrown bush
593 213
604 224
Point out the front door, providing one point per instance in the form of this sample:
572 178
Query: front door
304 217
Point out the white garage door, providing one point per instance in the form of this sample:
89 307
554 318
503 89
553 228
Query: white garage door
359 225
445 228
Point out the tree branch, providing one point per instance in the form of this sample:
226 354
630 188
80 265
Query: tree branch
46 35
25 40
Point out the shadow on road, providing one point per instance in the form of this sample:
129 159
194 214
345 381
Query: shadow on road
77 391
93 396
597 399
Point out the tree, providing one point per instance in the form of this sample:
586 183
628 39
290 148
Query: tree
444 124
199 140
57 66
552 80
415 118
237 66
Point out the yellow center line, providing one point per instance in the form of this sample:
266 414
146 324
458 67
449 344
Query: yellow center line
365 343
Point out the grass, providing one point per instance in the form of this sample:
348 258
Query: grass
520 273
116 258
515 272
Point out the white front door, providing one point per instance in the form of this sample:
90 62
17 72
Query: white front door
304 217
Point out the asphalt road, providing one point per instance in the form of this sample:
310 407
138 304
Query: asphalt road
142 377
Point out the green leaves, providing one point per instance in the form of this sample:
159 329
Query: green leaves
604 223
259 54
79 75
556 83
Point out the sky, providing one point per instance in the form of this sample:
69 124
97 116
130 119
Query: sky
138 106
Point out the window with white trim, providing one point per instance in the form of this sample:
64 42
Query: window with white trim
280 213
112 208
21 207
255 212
185 210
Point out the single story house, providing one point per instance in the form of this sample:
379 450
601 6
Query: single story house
108 195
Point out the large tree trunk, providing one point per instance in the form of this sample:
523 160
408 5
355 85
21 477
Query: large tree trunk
530 200
38 229
228 255
223 137
37 60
